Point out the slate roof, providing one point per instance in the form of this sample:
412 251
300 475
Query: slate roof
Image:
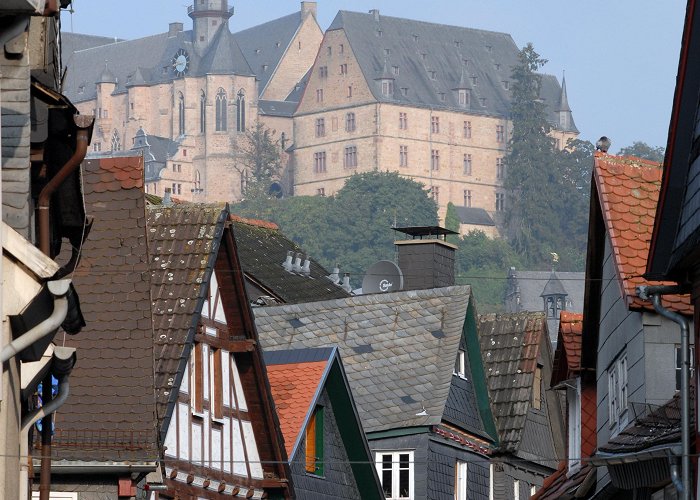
262 249
474 215
156 152
265 44
562 486
277 108
398 349
183 243
223 56
393 41
531 284
659 427
295 376
628 189
510 345
110 413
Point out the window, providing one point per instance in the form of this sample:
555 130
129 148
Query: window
320 162
537 388
350 122
500 202
387 87
463 97
349 91
506 84
396 474
350 159
500 169
320 127
434 159
221 124
202 112
217 389
433 74
403 121
343 69
341 48
314 443
395 70
460 364
403 156
461 490
330 51
97 146
467 164
573 405
516 489
240 111
475 81
435 124
617 392
404 91
181 114
500 134
467 131
435 193
679 366
387 52
177 188
467 198
319 95
441 96
321 191
323 71
116 142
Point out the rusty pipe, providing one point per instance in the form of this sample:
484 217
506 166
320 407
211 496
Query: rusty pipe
83 122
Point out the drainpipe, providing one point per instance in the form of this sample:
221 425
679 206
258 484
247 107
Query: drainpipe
83 123
653 294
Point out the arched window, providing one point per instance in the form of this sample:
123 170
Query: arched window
202 113
181 113
240 112
221 110
116 142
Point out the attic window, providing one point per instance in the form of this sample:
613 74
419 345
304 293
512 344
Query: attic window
497 66
404 91
463 97
475 80
415 38
423 55
482 101
257 51
506 84
387 52
277 44
81 89
264 67
395 70
441 96
488 48
458 43
433 74
379 33
460 364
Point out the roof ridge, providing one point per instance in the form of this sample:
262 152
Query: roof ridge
122 41
254 222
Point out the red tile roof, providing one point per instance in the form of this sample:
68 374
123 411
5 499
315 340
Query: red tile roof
293 388
254 222
629 191
570 328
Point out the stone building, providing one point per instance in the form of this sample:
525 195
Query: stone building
427 100
200 89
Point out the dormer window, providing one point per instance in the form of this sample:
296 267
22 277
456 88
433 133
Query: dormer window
433 74
463 97
475 81
395 70
387 87
460 364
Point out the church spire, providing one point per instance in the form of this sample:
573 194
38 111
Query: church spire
565 119
207 18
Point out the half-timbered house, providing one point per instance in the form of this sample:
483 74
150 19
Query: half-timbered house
214 406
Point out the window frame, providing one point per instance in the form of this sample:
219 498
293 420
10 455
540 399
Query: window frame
395 472
315 442
460 368
434 160
467 164
573 405
320 127
461 480
350 157
403 156
618 393
350 124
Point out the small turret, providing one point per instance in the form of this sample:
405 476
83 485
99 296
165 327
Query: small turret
207 17
565 119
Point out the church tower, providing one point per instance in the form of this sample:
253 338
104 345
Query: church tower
207 17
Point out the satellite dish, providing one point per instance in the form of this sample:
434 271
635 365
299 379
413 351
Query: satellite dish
382 277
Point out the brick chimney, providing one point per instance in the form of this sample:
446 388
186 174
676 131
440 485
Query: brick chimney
425 258
308 8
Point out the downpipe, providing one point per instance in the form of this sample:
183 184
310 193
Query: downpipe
654 294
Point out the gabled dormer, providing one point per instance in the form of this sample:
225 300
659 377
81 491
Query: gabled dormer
463 90
385 81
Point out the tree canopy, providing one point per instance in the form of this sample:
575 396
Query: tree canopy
259 160
643 150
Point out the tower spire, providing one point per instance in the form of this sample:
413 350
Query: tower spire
565 119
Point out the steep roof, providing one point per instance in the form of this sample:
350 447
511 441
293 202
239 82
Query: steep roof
183 242
474 215
223 56
398 349
263 248
110 414
265 44
531 284
567 358
564 486
421 50
628 191
510 346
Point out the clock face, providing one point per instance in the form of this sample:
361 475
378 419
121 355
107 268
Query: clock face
181 62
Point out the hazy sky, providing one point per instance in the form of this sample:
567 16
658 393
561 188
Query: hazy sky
620 56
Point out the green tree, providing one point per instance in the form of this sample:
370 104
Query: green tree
643 150
259 161
452 222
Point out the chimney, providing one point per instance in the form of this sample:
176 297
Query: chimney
297 263
287 264
174 29
335 275
167 198
426 259
375 13
308 8
346 283
306 268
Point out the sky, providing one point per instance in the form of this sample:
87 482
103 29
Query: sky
620 57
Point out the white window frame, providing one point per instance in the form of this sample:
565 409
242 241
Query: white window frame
395 472
516 489
461 480
460 368
57 495
573 404
617 393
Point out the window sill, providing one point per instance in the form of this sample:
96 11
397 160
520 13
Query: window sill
197 414
220 421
